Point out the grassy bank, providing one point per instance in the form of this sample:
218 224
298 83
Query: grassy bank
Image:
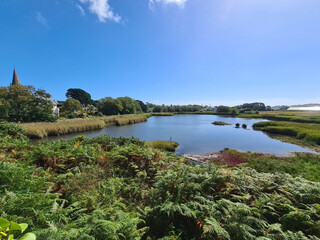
163 114
300 117
44 129
307 132
119 188
163 145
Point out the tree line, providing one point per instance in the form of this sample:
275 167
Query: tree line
20 103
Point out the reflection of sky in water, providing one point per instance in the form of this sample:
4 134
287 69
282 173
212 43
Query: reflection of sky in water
196 134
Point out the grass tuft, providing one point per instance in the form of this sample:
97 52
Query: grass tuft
219 123
163 145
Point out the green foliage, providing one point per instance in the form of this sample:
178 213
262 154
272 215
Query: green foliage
173 108
70 106
120 105
300 165
223 109
25 104
78 94
129 105
219 123
162 114
234 110
7 230
163 145
143 106
109 106
256 106
121 188
309 132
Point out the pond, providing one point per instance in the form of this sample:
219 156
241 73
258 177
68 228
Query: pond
196 134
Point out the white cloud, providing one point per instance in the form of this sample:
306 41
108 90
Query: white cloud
81 10
41 19
102 9
180 3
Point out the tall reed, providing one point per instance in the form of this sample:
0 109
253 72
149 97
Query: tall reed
67 126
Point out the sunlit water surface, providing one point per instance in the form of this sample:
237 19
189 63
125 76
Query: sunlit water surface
196 134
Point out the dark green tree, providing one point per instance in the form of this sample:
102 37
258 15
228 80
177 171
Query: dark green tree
223 109
25 104
128 104
71 106
82 96
109 106
142 105
157 108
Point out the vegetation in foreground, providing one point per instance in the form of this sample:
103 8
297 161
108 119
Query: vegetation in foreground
307 132
306 165
119 188
44 129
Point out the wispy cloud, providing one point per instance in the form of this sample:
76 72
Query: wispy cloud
81 10
41 19
180 3
102 9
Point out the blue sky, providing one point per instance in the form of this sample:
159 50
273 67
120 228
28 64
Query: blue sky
165 51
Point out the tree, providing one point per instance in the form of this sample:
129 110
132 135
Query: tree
82 96
157 108
223 109
142 105
128 105
109 106
234 110
25 104
71 106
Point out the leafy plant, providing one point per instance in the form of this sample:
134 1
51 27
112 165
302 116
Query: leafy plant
7 230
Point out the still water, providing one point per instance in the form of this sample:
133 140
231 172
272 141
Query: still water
196 134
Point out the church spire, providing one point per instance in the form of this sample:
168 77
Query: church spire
15 79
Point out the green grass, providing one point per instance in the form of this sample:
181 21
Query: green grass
288 116
308 132
163 114
219 123
163 145
44 129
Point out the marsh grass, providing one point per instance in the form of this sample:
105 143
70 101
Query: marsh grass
67 126
163 145
309 132
300 117
163 114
